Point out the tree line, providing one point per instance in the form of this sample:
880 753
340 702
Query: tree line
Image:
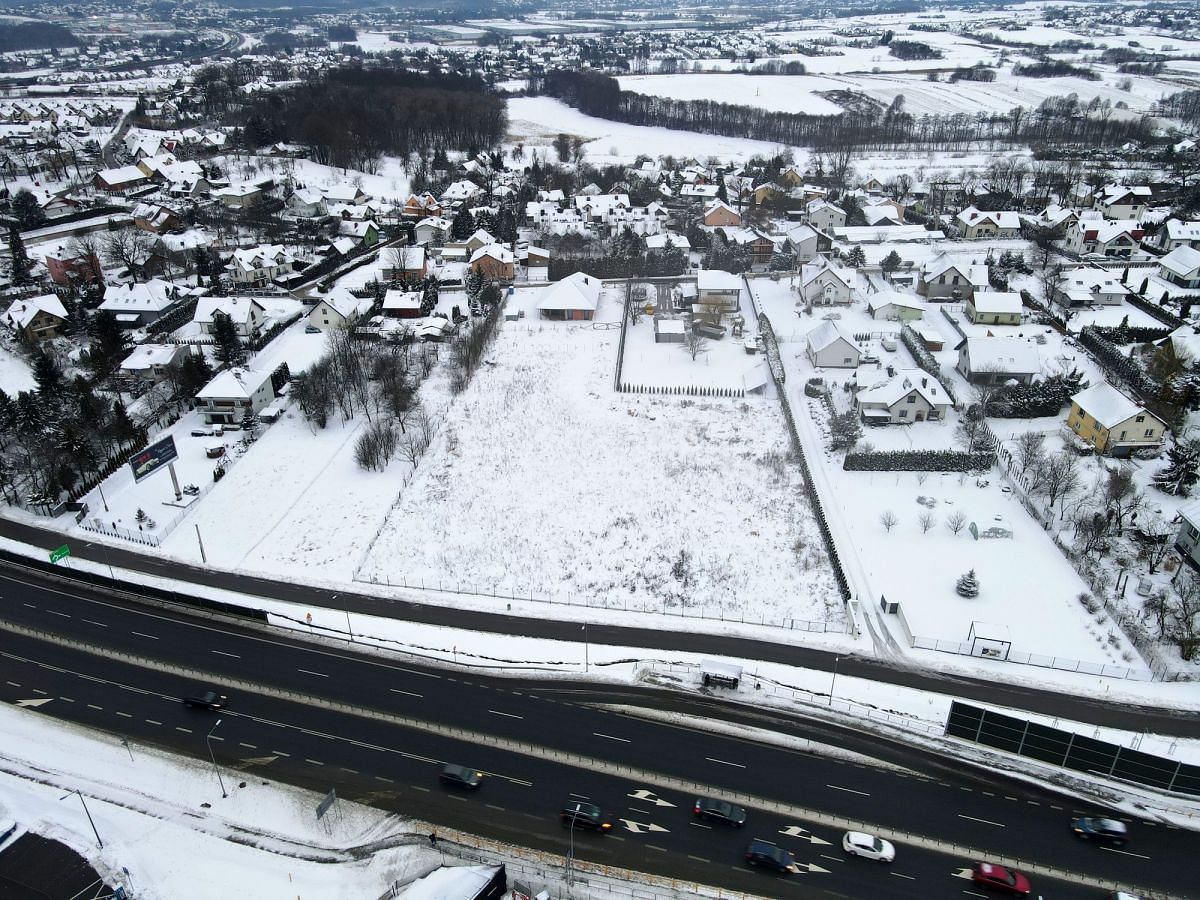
870 126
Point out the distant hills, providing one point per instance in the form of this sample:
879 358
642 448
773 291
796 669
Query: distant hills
34 36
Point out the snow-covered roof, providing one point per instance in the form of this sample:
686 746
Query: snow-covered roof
1185 342
263 256
239 309
975 273
896 388
1176 230
155 295
809 272
577 291
22 312
894 298
996 302
398 299
826 334
718 280
148 356
1005 355
345 304
1182 261
1000 218
1106 404
1107 230
122 175
496 251
342 192
236 383
450 883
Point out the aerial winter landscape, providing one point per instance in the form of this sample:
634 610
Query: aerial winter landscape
573 451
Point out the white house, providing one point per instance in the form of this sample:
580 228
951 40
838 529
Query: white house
994 308
573 298
980 225
824 284
246 313
824 216
1182 267
1115 238
995 360
946 278
233 395
339 309
135 305
911 395
1175 233
431 229
151 361
895 305
257 266
1116 201
1090 286
829 346
718 291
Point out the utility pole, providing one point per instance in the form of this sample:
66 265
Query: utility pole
216 768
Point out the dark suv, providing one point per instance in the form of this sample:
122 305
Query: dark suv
719 811
578 814
205 699
1103 831
761 853
460 776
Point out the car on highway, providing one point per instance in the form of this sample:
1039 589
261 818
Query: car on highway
1109 832
578 814
714 810
205 698
1000 878
769 856
461 776
868 846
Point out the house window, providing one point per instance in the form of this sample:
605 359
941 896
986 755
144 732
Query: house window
1192 532
846 360
1149 432
941 279
955 281
911 399
1140 419
904 413
1095 426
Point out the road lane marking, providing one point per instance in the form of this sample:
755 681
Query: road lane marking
125 715
247 746
68 699
281 753
699 859
223 653
153 722
140 634
847 790
177 727
94 706
902 875
417 787
315 762
351 771
725 762
318 674
12 684
406 693
612 737
699 825
1124 852
494 806
579 796
91 622
984 821
497 712
659 849
55 612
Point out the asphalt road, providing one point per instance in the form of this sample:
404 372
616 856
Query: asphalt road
1092 710
527 735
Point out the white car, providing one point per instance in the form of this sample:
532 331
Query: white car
856 843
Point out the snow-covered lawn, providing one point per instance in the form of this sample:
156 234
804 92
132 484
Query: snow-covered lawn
15 373
545 481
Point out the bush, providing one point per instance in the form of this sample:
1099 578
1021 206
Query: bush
919 461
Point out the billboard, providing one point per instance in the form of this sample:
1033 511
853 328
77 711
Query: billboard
147 462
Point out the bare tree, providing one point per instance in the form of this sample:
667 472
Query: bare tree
956 521
1156 540
888 520
694 343
1122 499
1030 450
128 248
1183 618
1059 476
926 521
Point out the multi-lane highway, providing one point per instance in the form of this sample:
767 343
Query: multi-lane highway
376 730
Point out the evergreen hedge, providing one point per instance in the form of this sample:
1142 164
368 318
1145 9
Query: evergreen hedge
919 461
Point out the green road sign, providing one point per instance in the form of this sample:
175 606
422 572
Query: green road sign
61 553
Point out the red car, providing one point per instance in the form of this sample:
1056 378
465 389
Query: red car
998 878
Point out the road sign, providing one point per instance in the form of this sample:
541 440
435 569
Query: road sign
61 553
146 462
323 806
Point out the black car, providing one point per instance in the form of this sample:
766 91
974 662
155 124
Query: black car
205 699
461 776
578 814
719 811
762 853
1103 831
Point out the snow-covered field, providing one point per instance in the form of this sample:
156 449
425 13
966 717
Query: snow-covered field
545 481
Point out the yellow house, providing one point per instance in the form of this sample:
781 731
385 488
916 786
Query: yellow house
1112 423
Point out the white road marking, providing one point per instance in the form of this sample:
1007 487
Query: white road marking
125 715
612 737
901 875
318 674
848 790
223 653
725 762
153 722
497 712
55 612
140 634
90 622
1124 852
983 821
405 693
315 762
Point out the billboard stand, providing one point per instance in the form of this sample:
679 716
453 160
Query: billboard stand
174 481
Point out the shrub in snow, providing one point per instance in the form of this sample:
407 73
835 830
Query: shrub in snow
968 585
918 461
1115 361
1181 471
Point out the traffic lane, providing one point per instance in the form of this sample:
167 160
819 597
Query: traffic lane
850 790
253 738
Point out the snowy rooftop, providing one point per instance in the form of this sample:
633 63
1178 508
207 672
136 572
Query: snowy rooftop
1106 404
1002 354
716 280
577 291
1182 261
239 383
997 302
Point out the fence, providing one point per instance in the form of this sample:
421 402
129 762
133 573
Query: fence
949 317
690 390
1069 750
618 385
1061 663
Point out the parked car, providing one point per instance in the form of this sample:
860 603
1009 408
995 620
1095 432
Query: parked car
578 814
767 855
311 329
461 776
202 432
1103 831
719 811
868 846
1000 878
205 698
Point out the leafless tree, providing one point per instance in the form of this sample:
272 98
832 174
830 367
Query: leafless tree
926 521
1030 450
956 521
1157 538
412 447
1122 499
888 520
694 344
1059 476
1183 617
128 248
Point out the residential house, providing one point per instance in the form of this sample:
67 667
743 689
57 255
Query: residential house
365 233
239 196
803 242
979 225
995 360
481 238
339 309
138 305
1115 238
829 346
994 308
399 304
458 193
1182 267
911 395
1187 539
1175 233
1116 201
824 216
432 230
37 318
421 206
406 262
873 185
495 261
702 192
882 216
757 246
246 313
945 278
345 193
307 203
1112 423
717 293
895 306
572 299
1089 286
718 213
259 266
121 180
152 362
667 240
156 218
233 395
824 284
67 268
1056 218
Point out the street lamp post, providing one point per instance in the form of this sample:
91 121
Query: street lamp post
571 850
86 812
216 768
833 681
